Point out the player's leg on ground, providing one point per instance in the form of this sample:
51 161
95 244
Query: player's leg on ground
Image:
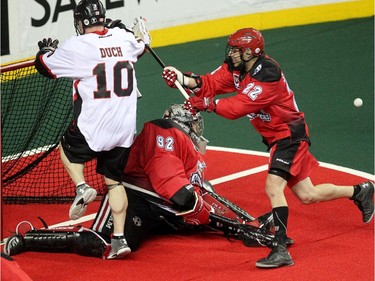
118 202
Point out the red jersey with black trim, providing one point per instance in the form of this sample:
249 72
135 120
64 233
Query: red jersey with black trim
163 159
263 95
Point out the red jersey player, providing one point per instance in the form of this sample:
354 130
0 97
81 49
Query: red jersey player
100 61
263 95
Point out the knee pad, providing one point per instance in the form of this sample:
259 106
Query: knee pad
277 172
112 186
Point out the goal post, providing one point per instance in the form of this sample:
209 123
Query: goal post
35 112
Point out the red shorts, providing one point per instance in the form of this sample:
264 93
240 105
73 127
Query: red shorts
293 158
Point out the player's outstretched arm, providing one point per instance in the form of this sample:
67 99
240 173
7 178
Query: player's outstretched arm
45 46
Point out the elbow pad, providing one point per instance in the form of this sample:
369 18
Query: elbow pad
199 213
40 67
197 78
184 198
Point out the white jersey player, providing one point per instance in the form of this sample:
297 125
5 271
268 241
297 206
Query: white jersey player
104 89
101 63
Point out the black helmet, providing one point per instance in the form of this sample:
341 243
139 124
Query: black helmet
88 13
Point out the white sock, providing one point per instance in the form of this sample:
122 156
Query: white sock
78 184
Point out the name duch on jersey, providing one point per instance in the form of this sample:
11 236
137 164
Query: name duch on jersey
109 52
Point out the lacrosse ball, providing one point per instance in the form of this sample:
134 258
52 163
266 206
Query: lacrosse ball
358 102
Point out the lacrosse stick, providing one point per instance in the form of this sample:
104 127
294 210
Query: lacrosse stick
178 85
139 29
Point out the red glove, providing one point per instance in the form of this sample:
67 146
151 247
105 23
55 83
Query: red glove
171 74
200 214
169 77
195 104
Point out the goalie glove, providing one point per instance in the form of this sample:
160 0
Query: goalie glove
200 214
140 31
47 45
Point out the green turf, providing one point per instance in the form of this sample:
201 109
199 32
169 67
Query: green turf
327 65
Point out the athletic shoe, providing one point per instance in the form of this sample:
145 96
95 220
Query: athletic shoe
119 249
85 195
14 245
278 257
365 201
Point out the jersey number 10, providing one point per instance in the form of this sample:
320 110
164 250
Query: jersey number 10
101 80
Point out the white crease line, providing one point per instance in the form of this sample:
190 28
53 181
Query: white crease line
347 170
239 174
78 221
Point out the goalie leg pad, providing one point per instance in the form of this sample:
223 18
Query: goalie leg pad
14 245
82 241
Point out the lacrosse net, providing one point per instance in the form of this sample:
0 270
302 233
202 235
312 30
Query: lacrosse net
35 111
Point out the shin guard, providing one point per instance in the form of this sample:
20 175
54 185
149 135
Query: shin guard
73 239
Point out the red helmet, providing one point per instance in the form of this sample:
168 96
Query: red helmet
247 38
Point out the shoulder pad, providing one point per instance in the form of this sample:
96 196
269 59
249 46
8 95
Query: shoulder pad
163 123
266 70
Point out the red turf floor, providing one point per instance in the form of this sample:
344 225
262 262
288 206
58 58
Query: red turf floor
332 243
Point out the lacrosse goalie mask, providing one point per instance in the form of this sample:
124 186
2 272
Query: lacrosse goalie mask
193 125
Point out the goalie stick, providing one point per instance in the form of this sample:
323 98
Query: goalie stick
249 234
233 207
178 85
241 226
236 222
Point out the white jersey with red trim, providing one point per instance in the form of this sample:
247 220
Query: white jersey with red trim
105 85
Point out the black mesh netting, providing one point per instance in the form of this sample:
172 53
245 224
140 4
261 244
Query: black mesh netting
35 111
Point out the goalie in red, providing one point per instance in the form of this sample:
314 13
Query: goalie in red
167 193
263 95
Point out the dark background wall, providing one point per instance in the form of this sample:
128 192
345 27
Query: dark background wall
4 28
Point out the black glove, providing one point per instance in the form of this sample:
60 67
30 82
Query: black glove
114 23
47 45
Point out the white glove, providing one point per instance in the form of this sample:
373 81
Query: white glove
140 31
172 74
